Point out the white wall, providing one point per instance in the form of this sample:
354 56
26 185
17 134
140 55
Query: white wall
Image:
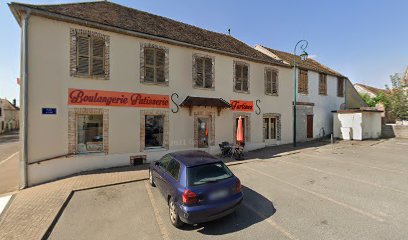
49 44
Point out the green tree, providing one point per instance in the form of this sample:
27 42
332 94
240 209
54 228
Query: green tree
397 98
373 101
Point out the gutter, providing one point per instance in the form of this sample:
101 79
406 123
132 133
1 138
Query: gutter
24 101
16 7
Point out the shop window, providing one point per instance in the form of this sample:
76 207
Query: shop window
271 82
89 133
203 126
241 77
269 127
154 131
203 71
303 83
89 54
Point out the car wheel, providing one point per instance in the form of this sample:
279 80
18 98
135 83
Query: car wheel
151 181
174 217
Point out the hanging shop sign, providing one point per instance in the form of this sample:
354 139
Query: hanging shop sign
242 106
116 99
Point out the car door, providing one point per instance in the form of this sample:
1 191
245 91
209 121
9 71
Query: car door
171 177
161 172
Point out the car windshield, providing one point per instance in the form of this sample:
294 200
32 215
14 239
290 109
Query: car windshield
207 173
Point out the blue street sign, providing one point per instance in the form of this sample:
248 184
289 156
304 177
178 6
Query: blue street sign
49 111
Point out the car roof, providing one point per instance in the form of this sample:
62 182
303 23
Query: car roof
192 158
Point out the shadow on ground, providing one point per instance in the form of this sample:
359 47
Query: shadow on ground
255 208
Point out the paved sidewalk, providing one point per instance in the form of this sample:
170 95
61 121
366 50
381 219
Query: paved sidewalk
34 209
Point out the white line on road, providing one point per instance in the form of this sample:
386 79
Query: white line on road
271 222
10 157
358 164
159 220
345 205
341 176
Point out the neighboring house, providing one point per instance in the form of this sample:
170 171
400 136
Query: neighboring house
320 90
9 115
373 92
109 85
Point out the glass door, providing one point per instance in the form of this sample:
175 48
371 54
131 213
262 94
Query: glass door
203 131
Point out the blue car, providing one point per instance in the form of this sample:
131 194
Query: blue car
197 186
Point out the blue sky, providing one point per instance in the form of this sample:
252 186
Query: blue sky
364 40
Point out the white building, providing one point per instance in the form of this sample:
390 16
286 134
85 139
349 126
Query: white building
109 84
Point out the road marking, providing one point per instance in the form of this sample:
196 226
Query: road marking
358 164
10 157
345 205
341 176
271 222
159 220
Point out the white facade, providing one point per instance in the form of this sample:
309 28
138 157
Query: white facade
320 106
53 140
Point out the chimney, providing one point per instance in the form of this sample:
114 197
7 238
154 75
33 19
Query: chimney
14 102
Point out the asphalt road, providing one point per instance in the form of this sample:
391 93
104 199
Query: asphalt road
9 162
351 192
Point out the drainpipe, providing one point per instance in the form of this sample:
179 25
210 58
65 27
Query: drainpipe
24 100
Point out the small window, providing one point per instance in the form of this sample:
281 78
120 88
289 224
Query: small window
241 77
203 72
322 84
154 131
271 82
90 56
154 63
340 87
89 133
303 83
173 169
207 173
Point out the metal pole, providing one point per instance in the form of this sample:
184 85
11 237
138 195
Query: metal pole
294 102
23 103
303 46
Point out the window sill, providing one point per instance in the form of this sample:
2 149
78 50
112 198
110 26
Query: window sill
89 77
155 149
203 88
237 91
165 84
272 94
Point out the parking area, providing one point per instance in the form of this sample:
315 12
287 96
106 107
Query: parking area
9 162
348 192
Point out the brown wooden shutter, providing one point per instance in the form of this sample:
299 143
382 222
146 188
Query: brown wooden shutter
268 85
200 72
340 87
238 77
98 49
160 63
244 78
149 65
208 81
83 59
306 82
274 84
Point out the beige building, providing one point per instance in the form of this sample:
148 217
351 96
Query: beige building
110 85
9 116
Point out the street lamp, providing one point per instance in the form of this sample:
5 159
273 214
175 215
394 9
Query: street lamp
303 57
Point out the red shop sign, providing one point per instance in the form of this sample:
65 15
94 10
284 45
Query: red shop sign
242 106
116 99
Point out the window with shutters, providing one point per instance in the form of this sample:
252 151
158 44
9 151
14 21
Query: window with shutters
322 84
340 87
154 64
271 82
89 54
203 71
303 82
241 77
